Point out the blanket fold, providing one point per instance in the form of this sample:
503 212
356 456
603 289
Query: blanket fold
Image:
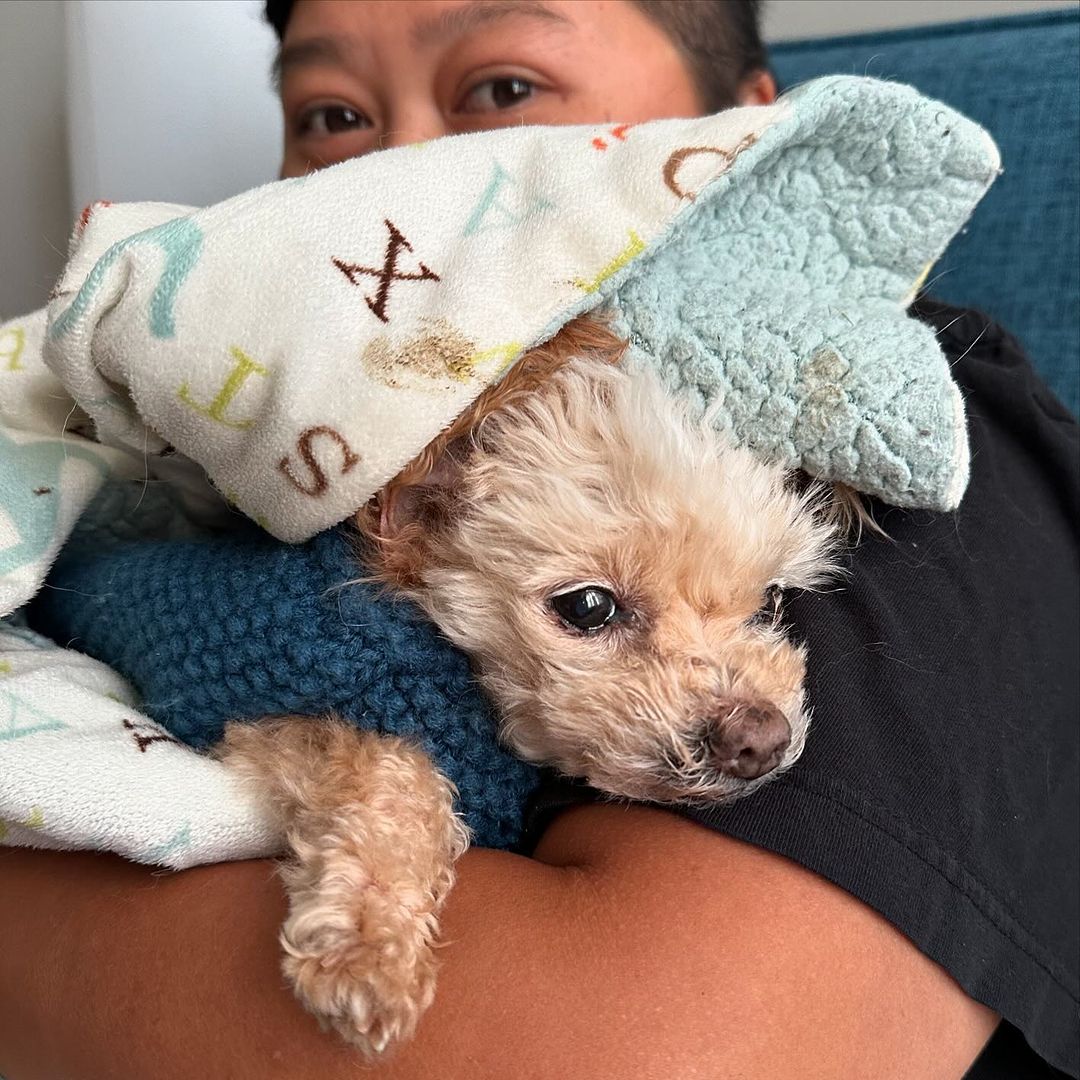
284 353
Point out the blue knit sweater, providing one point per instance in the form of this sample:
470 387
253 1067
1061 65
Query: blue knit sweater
243 626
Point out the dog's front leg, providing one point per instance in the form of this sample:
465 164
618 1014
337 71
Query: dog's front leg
373 838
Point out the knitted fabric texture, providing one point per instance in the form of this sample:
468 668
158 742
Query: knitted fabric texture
244 626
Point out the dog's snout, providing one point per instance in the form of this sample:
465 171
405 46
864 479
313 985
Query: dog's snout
748 740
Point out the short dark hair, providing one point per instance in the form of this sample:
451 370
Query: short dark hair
720 40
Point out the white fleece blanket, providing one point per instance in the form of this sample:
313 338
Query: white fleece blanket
297 345
250 337
304 341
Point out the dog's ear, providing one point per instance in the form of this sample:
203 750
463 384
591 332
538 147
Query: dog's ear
408 502
403 521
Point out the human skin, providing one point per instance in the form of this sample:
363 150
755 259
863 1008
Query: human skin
357 77
633 943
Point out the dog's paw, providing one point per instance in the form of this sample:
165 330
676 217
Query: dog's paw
365 968
371 828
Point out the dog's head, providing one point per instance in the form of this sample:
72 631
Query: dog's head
615 570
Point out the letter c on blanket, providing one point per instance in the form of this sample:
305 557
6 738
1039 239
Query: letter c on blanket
726 155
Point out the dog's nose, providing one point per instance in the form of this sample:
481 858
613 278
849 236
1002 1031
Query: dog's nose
748 740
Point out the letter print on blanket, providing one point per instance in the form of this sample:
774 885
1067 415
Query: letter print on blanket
462 246
388 274
180 240
493 211
717 311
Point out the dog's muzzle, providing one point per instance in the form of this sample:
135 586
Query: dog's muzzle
747 740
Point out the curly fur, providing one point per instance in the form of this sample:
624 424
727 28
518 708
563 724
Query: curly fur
594 475
373 837
573 471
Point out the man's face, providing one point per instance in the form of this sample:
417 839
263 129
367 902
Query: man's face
362 75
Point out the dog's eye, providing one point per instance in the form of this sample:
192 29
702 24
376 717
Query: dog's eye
771 608
588 609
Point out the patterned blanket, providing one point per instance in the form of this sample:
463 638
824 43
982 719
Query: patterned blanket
299 343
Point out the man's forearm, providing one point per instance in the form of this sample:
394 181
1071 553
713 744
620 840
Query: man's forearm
126 974
640 945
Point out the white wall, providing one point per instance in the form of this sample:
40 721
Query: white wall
34 204
170 100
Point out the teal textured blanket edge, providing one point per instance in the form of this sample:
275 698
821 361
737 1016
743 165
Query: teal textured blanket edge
780 304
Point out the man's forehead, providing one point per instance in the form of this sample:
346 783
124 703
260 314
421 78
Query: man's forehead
446 23
460 19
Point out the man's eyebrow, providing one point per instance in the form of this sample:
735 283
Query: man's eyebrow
308 53
455 22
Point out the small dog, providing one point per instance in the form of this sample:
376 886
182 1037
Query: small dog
614 570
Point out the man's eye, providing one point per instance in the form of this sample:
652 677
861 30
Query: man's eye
495 94
332 119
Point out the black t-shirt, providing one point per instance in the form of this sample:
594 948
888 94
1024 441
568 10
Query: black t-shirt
939 784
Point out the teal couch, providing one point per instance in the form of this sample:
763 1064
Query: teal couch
1019 77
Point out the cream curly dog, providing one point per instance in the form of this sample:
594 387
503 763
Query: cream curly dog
613 568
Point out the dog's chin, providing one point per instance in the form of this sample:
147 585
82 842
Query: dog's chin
697 786
659 770
661 785
710 789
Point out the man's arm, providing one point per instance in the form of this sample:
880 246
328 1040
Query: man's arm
634 944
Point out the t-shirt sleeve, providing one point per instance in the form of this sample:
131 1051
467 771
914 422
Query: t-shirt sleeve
939 784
